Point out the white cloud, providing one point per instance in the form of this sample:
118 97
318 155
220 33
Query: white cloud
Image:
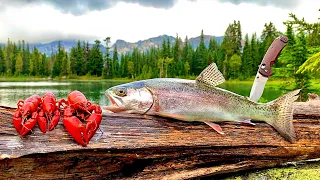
132 22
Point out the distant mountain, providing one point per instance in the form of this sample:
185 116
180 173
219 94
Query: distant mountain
52 47
196 40
122 46
142 45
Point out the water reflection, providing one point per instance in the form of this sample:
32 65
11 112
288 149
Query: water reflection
12 92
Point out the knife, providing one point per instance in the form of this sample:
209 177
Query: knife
264 71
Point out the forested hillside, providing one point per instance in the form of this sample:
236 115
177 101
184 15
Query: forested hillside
237 56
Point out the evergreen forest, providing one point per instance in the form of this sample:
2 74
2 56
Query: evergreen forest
237 57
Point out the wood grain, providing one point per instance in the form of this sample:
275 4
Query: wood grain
138 147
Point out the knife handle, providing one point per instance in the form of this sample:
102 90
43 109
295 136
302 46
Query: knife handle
271 55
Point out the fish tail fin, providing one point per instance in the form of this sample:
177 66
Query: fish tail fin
282 120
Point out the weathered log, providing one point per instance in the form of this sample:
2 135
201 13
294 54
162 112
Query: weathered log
134 146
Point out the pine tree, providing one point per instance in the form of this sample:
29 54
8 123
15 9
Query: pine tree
19 46
302 80
160 65
86 57
177 65
190 59
51 63
73 61
80 61
201 55
291 37
37 56
285 62
14 58
268 35
255 58
8 57
184 56
39 65
123 66
219 57
164 51
234 66
25 59
107 64
135 58
213 51
95 60
131 69
230 45
152 57
230 42
186 68
115 62
167 63
2 62
213 45
68 69
239 35
312 29
169 48
57 65
32 62
18 65
247 61
65 64
45 65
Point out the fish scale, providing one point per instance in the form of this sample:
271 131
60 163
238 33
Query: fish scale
198 104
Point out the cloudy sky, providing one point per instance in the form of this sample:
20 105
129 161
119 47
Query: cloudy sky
132 20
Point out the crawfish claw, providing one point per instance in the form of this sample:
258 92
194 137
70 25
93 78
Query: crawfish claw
27 126
54 120
76 129
42 121
25 116
23 128
93 123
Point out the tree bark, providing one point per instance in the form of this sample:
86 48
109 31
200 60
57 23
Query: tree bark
138 147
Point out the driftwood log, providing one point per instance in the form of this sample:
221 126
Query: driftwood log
138 147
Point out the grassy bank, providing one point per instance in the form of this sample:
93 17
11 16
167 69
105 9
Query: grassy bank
79 78
309 170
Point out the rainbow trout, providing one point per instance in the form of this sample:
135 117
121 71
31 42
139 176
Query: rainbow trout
201 100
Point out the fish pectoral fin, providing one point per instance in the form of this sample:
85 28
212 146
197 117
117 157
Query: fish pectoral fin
210 76
246 121
214 126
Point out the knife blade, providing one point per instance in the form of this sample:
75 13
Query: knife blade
265 71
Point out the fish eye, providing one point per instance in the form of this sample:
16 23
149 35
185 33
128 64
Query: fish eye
121 92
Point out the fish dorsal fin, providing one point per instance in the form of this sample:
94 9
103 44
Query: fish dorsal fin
210 76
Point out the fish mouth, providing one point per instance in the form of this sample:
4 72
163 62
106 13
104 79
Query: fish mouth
115 103
111 99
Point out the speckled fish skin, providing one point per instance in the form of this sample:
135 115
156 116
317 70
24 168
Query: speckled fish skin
200 100
182 98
